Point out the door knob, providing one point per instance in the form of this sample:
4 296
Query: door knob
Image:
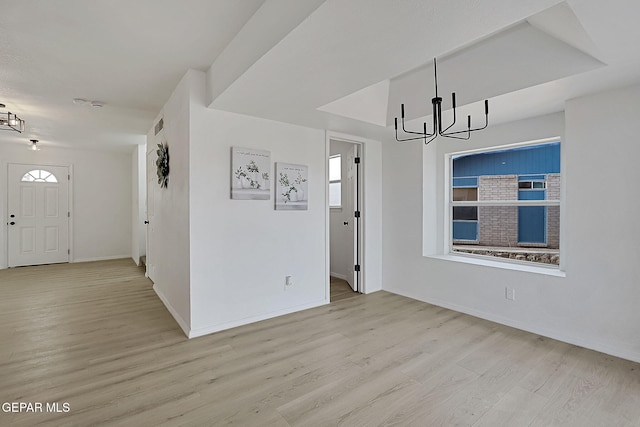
146 222
12 223
12 216
346 223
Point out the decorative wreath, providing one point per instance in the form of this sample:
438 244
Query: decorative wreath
162 164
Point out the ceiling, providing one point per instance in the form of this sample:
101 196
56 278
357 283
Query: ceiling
130 55
344 65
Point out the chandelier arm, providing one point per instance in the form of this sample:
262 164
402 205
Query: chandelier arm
450 134
442 132
486 117
417 133
486 123
422 136
467 132
432 138
458 137
453 103
411 139
408 131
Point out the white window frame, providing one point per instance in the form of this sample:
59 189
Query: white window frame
39 178
335 181
487 259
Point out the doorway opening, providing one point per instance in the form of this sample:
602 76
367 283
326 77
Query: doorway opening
345 214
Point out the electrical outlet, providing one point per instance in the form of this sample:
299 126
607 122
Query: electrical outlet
510 293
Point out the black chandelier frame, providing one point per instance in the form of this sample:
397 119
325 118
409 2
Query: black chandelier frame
438 130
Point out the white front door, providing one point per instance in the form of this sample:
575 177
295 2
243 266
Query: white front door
38 214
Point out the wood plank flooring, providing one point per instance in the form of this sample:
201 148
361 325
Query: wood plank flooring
95 336
340 289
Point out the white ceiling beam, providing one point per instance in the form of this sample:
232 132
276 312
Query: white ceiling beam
266 28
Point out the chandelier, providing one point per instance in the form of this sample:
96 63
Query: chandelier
9 121
438 129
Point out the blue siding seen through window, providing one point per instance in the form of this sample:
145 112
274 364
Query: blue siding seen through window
526 173
538 159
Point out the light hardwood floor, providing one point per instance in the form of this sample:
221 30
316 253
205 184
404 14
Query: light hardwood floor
95 336
340 289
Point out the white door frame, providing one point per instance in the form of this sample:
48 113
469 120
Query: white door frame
4 182
354 205
361 143
149 214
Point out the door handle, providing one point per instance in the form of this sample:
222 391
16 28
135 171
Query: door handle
346 223
12 216
146 222
12 223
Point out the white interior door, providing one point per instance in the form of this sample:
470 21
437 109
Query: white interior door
38 211
353 221
152 184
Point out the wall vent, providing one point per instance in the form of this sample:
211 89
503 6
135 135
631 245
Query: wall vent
159 126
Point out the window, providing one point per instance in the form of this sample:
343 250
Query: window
465 213
39 175
532 185
465 218
335 181
465 194
506 203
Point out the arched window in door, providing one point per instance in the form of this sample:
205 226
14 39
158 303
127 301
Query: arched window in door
39 175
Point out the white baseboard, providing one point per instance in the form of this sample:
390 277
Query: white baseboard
338 275
613 350
183 325
77 260
228 325
103 258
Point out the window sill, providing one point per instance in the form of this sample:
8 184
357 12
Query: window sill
528 268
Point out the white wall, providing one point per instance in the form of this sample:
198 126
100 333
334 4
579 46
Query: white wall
241 250
101 186
169 253
341 239
221 262
138 202
596 304
603 293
